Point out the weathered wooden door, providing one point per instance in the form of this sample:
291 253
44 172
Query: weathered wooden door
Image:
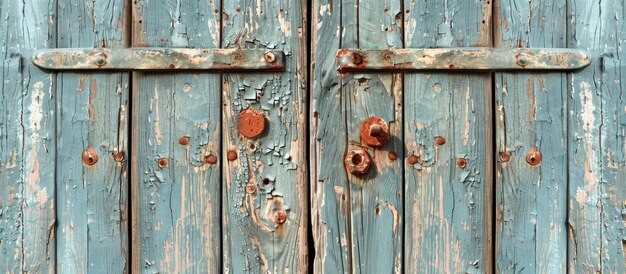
166 165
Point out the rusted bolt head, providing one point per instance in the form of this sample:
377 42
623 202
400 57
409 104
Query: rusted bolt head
250 123
100 60
269 57
280 217
210 159
413 159
184 140
374 132
90 157
356 58
162 162
118 156
440 140
231 155
505 156
522 60
358 161
250 188
461 162
392 155
533 157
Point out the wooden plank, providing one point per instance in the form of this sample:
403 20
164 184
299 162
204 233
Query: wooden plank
531 196
597 140
330 208
176 145
27 127
356 219
448 145
92 109
265 187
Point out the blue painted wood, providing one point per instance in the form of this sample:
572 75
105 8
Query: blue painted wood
268 180
176 128
448 185
531 200
596 143
27 138
92 234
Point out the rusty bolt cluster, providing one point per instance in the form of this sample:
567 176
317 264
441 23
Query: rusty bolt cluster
280 217
250 123
374 132
358 161
90 157
533 157
269 57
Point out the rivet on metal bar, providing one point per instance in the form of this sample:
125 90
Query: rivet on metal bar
473 59
160 59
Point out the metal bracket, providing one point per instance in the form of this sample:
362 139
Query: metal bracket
160 59
474 59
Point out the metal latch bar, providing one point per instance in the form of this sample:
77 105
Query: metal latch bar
474 59
160 59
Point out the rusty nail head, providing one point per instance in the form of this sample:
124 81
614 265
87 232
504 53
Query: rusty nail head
162 162
533 157
280 217
440 140
101 60
461 162
184 140
90 157
413 159
250 123
210 159
358 161
522 60
269 57
505 156
118 156
392 156
374 132
231 155
356 58
251 188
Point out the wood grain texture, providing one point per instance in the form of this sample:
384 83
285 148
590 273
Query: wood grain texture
596 140
92 200
269 176
330 208
27 138
531 233
176 127
357 220
448 189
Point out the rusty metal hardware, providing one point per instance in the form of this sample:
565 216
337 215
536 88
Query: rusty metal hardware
210 159
374 132
280 217
90 157
475 59
358 161
413 159
160 59
533 157
461 162
250 123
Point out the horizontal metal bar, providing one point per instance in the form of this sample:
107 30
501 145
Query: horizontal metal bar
160 59
488 59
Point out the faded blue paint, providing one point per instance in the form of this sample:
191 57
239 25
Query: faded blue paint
531 201
27 138
269 176
448 191
176 195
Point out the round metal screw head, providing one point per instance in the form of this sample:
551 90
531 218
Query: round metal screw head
461 162
358 161
280 217
533 157
356 58
210 159
413 159
522 60
374 132
100 60
231 155
440 140
118 156
90 157
162 162
269 57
